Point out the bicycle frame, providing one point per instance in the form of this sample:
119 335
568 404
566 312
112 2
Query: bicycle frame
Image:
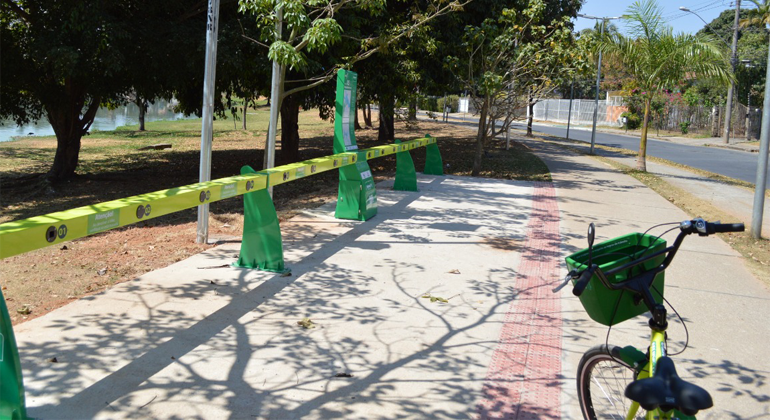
657 350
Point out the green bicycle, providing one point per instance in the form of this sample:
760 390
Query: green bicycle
623 280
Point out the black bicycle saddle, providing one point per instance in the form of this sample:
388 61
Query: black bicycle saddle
668 391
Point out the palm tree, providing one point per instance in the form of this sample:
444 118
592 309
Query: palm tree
757 17
656 58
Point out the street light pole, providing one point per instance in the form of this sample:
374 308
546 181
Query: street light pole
733 63
764 148
598 74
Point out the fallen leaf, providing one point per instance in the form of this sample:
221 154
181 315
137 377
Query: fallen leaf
306 323
343 375
102 271
24 310
454 271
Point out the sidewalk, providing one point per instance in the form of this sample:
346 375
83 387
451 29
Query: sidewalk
201 339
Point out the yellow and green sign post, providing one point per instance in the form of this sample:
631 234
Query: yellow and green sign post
357 198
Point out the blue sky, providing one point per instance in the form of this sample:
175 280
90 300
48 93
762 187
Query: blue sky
681 21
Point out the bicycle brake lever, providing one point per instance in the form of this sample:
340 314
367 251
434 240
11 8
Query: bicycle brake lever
572 274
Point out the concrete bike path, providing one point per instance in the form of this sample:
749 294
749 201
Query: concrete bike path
726 309
200 339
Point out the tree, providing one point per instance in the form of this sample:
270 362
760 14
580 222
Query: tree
657 59
295 30
62 59
509 60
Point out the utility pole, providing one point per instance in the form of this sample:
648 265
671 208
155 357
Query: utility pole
734 62
598 74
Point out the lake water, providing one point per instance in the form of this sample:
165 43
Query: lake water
106 120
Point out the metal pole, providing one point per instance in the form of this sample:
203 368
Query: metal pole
733 61
207 126
275 101
596 102
569 114
764 141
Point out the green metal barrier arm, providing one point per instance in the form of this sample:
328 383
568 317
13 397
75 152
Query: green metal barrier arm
37 232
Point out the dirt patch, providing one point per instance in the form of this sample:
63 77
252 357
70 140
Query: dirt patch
112 167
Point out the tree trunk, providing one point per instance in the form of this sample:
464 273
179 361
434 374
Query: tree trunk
368 116
641 160
481 135
243 120
412 109
142 104
357 124
69 127
289 130
387 118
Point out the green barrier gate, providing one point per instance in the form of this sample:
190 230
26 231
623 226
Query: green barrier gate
261 247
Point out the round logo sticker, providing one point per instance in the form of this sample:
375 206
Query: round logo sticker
285 176
249 185
140 212
62 231
312 169
147 210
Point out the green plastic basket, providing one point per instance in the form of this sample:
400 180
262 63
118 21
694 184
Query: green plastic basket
599 301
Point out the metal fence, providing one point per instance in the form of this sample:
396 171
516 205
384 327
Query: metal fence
744 123
558 110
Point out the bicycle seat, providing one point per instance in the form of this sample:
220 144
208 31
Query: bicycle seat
665 389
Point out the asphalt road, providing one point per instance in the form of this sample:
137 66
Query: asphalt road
732 163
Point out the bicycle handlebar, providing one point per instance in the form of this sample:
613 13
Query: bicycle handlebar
687 227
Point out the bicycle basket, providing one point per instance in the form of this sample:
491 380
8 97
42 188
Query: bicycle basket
599 301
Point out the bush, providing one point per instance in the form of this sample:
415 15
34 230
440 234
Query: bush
453 101
684 126
428 103
633 121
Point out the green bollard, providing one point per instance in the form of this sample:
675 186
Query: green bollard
433 163
406 177
12 405
262 247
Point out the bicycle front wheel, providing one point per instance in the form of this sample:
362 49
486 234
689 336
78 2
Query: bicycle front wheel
602 381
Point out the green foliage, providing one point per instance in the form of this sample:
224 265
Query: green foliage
684 126
633 120
452 101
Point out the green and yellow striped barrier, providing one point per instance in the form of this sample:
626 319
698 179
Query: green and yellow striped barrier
37 232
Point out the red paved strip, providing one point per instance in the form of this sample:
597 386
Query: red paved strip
522 380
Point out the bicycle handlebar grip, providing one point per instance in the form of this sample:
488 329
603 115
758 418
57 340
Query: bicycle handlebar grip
728 227
582 282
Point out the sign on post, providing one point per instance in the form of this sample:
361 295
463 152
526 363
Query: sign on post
357 197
